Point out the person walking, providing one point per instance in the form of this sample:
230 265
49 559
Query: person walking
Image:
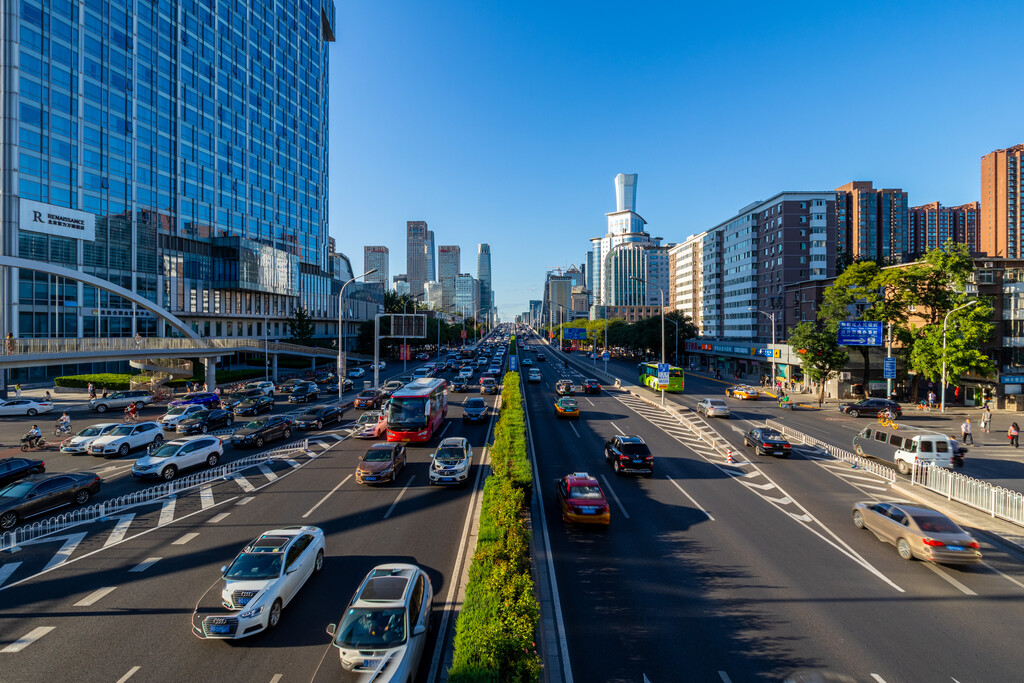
956 395
892 396
10 343
92 390
931 400
138 340
17 390
986 419
965 432
1013 433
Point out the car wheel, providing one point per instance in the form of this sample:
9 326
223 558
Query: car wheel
854 413
31 412
101 408
287 433
319 424
319 563
158 439
617 467
275 615
259 442
169 473
82 497
123 450
204 429
858 519
140 405
229 421
8 520
903 467
903 548
212 460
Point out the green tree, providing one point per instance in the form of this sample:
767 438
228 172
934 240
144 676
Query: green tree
857 294
821 356
300 328
965 331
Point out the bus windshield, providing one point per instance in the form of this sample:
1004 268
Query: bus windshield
407 414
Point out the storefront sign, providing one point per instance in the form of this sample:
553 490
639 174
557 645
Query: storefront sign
1011 379
56 220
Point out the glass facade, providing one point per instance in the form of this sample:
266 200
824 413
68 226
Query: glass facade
195 131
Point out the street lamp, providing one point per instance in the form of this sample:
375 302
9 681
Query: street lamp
942 406
342 355
661 295
771 316
405 351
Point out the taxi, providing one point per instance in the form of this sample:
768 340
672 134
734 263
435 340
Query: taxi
567 407
581 500
565 387
743 391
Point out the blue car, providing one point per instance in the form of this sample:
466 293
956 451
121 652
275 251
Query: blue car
201 398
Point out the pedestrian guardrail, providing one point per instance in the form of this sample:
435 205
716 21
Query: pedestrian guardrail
10 539
866 464
997 501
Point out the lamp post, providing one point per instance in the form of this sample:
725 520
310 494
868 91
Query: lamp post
604 314
942 405
771 316
266 350
675 351
661 295
405 351
341 331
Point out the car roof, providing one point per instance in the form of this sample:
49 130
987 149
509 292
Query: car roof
630 439
453 441
184 440
386 583
390 446
275 540
581 479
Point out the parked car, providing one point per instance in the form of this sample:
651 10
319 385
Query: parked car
591 386
768 441
261 581
870 407
488 385
79 443
258 432
474 410
450 463
371 425
581 500
40 493
127 437
382 462
917 532
13 469
264 386
120 399
368 399
232 400
713 407
744 392
567 407
255 406
171 457
173 416
318 416
304 393
207 399
386 621
205 420
629 454
565 387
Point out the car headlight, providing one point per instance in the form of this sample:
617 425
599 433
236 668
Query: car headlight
250 613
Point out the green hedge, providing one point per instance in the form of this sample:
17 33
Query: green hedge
116 380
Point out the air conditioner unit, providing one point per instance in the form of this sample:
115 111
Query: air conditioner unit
845 376
988 264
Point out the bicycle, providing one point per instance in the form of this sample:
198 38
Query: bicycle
886 421
161 396
129 418
58 430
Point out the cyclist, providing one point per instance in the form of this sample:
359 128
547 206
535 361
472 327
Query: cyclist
131 412
784 400
33 436
64 424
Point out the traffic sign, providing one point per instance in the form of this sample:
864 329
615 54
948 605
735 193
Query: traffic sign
512 363
606 356
574 333
662 375
860 333
889 368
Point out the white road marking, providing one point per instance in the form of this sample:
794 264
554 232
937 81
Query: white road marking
441 435
245 501
267 472
695 503
1005 576
185 539
574 430
131 672
589 401
321 501
145 564
27 639
762 487
71 542
167 512
276 678
7 569
615 497
292 463
206 496
952 581
400 494
617 429
95 596
244 483
218 518
878 678
725 677
120 529
785 500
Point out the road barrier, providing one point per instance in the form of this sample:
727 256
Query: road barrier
10 539
995 500
607 377
866 464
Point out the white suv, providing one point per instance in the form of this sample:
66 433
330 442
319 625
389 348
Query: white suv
266 387
171 457
450 464
128 437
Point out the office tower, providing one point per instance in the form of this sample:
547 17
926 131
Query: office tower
536 307
483 274
416 255
432 297
1002 190
557 302
449 262
376 257
931 225
168 151
431 256
871 224
467 295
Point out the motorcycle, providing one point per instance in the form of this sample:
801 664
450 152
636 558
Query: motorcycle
959 452
26 443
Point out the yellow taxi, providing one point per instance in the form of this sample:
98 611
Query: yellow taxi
567 407
743 391
582 501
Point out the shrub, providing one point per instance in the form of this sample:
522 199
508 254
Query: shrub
110 380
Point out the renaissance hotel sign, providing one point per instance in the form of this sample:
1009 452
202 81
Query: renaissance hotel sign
56 220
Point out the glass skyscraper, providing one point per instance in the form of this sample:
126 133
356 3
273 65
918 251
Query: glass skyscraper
177 149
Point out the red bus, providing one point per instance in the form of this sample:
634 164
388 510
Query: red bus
416 410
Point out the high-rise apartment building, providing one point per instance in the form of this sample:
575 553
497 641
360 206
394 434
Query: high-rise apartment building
1002 199
686 281
449 263
483 274
871 225
376 258
416 255
931 225
178 150
557 302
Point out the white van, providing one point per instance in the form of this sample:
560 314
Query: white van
906 446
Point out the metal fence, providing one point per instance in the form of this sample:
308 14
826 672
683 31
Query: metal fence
28 532
868 465
995 500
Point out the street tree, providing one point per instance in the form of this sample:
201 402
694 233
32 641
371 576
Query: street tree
821 356
300 328
966 330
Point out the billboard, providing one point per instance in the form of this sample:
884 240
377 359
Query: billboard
574 333
860 333
412 325
56 220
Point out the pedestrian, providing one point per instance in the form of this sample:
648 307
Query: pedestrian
965 432
204 386
986 419
92 390
138 340
892 396
104 393
1013 433
10 342
931 400
17 390
47 398
956 395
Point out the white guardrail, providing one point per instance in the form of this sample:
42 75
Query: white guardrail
995 500
10 539
866 464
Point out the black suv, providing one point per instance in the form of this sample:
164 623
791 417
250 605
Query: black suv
231 401
629 454
258 432
870 407
205 420
474 410
304 393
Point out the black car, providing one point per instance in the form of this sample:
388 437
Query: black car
474 410
304 393
205 421
290 385
255 406
488 385
767 441
870 407
540 357
39 493
231 401
460 385
316 418
331 386
258 432
12 469
591 386
629 454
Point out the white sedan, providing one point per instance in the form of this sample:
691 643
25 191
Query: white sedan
79 443
261 581
127 437
356 372
24 406
174 415
171 457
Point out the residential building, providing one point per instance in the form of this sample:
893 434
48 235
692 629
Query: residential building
931 225
376 258
416 255
449 263
432 295
686 281
712 270
483 274
579 302
631 314
871 224
1002 194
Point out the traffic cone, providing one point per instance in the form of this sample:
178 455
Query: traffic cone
728 455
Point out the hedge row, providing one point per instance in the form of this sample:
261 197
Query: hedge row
115 380
497 625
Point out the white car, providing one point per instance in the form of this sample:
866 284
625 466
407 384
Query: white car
713 407
465 373
380 366
371 424
356 372
174 415
384 628
127 437
24 406
79 443
264 386
261 581
170 457
534 375
450 463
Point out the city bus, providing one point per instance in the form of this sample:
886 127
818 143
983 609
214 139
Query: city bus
648 373
417 410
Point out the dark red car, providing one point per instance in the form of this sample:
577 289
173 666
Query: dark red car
591 386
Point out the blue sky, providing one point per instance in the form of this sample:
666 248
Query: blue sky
506 122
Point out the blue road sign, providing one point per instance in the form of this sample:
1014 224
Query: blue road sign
606 356
512 363
662 375
860 333
889 368
577 333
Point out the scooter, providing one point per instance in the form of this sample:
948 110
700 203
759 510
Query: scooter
26 445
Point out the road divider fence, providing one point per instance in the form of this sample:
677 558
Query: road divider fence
867 464
997 501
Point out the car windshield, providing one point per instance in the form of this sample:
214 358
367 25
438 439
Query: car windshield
198 415
377 455
368 419
123 430
251 566
368 629
569 405
91 431
19 490
635 449
450 454
256 424
936 524
585 492
366 394
167 450
177 410
475 403
117 394
407 413
250 401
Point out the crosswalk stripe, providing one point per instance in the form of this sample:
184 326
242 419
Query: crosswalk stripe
267 472
120 529
206 495
218 518
167 512
70 543
7 569
244 483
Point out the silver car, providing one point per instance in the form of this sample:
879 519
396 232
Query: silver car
918 532
713 407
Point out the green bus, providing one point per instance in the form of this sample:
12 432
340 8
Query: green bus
649 376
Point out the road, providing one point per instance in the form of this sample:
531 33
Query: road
136 586
712 572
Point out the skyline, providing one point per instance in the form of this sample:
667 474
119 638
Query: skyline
494 128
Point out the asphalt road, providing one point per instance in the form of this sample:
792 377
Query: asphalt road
712 572
118 610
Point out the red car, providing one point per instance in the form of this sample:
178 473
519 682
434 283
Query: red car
581 500
368 399
591 386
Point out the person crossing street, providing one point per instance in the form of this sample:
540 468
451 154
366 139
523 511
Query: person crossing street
965 432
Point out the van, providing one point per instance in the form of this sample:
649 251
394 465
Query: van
906 447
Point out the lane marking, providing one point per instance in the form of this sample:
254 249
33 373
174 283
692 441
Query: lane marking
441 435
185 539
7 569
276 678
244 483
725 677
131 672
321 501
167 512
618 430
267 472
612 491
65 551
1005 576
27 639
878 678
206 495
292 463
245 501
145 564
95 596
218 518
120 529
400 494
589 401
952 581
695 503
574 430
